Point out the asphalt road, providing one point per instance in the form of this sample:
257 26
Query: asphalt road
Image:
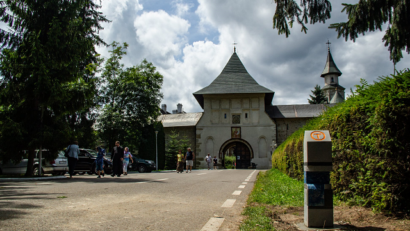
201 200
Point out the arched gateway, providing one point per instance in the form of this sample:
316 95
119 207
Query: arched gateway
238 148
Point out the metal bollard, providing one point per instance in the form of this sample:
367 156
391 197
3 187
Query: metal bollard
317 154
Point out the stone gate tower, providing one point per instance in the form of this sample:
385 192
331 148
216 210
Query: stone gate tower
333 91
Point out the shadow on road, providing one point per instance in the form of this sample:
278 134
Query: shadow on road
15 210
107 180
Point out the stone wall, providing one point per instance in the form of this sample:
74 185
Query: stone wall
285 127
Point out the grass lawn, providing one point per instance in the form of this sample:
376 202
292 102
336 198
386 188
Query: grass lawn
271 188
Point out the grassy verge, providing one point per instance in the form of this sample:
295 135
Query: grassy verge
271 188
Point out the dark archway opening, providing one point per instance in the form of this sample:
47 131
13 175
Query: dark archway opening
236 153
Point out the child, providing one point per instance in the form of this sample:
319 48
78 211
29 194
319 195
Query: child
215 163
99 161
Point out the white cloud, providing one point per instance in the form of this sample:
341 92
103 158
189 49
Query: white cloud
162 35
289 66
181 8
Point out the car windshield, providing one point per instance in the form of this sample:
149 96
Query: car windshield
92 152
61 154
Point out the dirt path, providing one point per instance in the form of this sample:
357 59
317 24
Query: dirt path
352 218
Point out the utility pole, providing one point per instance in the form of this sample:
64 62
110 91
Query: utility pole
156 150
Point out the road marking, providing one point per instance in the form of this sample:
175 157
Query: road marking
244 182
201 174
141 182
164 179
246 179
213 224
237 193
228 203
241 186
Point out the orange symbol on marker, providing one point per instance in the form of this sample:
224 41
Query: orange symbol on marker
316 135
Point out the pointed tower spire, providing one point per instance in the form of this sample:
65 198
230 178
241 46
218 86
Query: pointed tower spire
330 66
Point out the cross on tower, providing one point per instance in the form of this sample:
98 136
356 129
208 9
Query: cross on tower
234 48
328 45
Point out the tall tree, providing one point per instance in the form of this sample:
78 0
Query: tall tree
47 65
175 143
130 98
364 16
318 96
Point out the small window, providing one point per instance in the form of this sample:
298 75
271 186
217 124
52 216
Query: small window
287 126
246 115
236 119
332 80
225 115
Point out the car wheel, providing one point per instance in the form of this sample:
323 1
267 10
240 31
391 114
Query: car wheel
142 168
35 171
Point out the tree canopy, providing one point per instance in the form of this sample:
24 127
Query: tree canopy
130 98
47 64
364 16
318 96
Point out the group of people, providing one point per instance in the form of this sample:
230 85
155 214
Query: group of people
120 158
189 160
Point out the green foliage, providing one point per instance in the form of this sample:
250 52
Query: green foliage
275 188
175 144
47 80
370 147
147 146
364 16
229 161
257 219
272 187
318 96
130 98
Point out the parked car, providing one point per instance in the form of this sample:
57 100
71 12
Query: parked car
86 162
141 165
55 167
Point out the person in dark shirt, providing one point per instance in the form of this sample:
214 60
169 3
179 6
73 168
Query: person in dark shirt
189 158
117 156
99 162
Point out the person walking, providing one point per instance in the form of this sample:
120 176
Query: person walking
99 162
72 151
189 158
117 156
126 161
180 163
215 160
208 160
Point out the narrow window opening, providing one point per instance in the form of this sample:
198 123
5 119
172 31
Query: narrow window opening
236 119
287 126
246 115
332 80
225 115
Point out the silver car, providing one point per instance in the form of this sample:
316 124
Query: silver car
56 167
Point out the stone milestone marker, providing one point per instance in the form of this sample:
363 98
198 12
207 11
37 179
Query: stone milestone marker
317 154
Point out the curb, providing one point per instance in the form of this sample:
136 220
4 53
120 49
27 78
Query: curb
32 179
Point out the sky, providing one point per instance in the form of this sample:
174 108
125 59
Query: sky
191 41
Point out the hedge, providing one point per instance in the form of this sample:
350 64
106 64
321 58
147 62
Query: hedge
370 145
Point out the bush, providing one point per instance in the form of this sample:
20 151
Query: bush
371 148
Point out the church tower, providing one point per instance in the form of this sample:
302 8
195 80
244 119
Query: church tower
333 91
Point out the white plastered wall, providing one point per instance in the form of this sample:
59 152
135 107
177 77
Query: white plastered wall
213 130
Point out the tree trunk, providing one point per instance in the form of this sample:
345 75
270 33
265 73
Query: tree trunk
30 162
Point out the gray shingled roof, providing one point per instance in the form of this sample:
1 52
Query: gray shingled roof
330 66
180 120
234 79
296 111
337 98
332 86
